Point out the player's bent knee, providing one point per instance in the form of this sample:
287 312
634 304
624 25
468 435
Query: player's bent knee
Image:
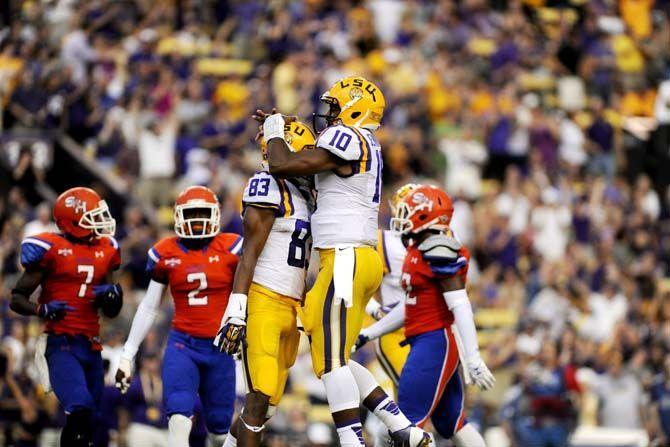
181 403
78 429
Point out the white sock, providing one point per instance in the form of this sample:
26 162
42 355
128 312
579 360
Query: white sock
468 436
230 441
364 379
342 393
179 427
386 409
351 435
216 440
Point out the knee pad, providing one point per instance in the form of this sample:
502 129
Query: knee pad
341 389
78 430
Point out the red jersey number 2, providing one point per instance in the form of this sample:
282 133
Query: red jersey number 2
406 280
201 279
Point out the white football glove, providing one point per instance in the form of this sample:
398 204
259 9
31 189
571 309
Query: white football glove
232 332
480 373
124 374
273 127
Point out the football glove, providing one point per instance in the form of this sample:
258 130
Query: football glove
480 373
53 311
233 328
109 298
360 342
124 374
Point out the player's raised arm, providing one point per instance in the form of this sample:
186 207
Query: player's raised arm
257 222
282 161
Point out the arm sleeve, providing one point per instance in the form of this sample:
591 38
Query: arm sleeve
389 323
144 319
459 304
344 142
263 191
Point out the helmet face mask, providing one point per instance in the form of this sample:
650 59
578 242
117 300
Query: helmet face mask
99 221
197 220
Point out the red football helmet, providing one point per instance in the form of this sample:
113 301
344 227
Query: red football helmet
197 214
81 212
426 207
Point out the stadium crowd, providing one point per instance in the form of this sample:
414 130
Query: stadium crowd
547 121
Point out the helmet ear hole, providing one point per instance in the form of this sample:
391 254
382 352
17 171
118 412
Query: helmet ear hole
355 115
422 217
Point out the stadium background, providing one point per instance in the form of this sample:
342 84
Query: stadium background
547 121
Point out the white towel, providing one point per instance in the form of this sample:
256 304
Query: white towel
41 362
343 274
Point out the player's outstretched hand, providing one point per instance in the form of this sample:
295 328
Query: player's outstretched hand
260 116
480 373
124 374
53 311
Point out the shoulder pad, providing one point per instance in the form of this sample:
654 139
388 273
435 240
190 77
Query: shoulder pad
440 247
343 141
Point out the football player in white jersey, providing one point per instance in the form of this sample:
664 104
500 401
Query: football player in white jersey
347 164
268 288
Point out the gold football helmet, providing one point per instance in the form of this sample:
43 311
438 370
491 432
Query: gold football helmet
355 101
297 136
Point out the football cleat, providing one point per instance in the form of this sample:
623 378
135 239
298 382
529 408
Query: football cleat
411 436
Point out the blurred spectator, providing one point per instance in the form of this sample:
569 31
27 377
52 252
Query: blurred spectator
621 397
42 223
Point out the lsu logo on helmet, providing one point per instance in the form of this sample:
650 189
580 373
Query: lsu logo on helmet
355 101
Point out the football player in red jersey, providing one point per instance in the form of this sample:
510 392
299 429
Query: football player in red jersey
74 269
198 265
438 319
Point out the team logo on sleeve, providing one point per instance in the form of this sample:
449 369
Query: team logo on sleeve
172 262
64 251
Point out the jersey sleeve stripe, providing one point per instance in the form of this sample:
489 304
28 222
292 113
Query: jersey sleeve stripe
114 242
387 264
287 202
364 165
153 254
39 242
237 245
261 205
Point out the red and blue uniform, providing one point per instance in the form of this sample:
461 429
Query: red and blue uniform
71 270
430 386
200 283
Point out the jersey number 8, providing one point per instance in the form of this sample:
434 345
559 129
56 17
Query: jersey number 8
297 249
